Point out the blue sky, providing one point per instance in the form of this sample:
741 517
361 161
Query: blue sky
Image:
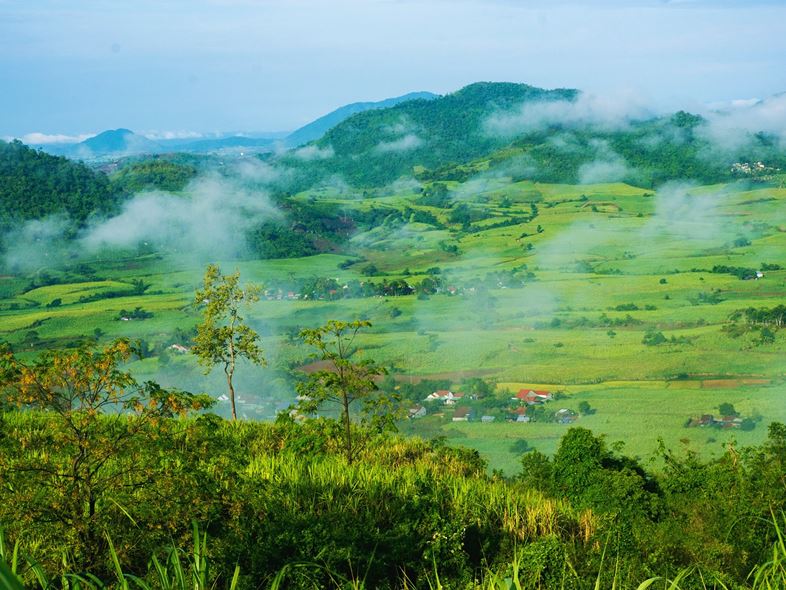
79 66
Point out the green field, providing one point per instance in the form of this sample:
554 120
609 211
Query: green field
610 263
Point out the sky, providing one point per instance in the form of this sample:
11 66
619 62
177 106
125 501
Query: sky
179 67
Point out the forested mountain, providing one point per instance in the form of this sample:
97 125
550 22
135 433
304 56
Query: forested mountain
34 184
318 127
519 130
428 133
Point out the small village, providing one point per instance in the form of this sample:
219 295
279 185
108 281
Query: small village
528 405
720 422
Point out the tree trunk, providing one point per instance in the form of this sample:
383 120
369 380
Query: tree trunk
231 394
347 428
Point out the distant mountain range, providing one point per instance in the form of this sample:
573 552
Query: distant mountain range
124 142
491 128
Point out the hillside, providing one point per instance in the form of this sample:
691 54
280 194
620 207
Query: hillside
376 147
34 184
320 126
525 132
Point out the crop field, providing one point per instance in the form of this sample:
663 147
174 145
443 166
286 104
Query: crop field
626 306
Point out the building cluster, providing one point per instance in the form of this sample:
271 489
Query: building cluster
520 409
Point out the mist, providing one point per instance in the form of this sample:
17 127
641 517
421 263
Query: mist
731 129
588 110
208 222
608 166
38 243
403 144
684 214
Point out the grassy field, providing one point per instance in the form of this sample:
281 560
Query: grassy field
611 262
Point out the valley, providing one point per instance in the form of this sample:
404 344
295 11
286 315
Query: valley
609 294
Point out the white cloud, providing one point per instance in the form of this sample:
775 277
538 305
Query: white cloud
208 223
313 152
608 112
157 135
403 144
730 128
37 138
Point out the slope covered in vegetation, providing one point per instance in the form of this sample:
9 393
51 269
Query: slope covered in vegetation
34 185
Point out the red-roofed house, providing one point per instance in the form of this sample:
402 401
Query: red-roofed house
531 396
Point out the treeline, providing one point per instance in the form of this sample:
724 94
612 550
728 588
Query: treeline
764 316
331 289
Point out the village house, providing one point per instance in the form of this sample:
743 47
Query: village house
417 412
565 416
487 419
445 396
463 414
520 414
179 348
703 420
532 397
724 422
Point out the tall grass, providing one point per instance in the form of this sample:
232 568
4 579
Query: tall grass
771 575
177 570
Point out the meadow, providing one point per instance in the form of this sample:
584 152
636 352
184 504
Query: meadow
602 265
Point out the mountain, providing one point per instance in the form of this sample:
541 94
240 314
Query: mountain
220 144
34 184
113 143
119 142
378 146
558 136
318 127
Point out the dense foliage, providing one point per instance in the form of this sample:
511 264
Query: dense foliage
34 184
154 173
83 483
428 133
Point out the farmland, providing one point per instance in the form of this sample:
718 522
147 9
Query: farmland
532 285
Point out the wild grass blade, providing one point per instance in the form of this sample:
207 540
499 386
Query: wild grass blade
8 579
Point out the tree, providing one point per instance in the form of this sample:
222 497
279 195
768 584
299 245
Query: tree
223 337
345 381
585 409
78 462
727 409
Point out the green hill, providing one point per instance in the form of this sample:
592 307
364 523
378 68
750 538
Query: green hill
512 130
317 128
34 184
376 147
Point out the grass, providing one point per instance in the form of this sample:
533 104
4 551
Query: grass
190 570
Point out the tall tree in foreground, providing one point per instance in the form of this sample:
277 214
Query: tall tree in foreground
223 337
345 380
